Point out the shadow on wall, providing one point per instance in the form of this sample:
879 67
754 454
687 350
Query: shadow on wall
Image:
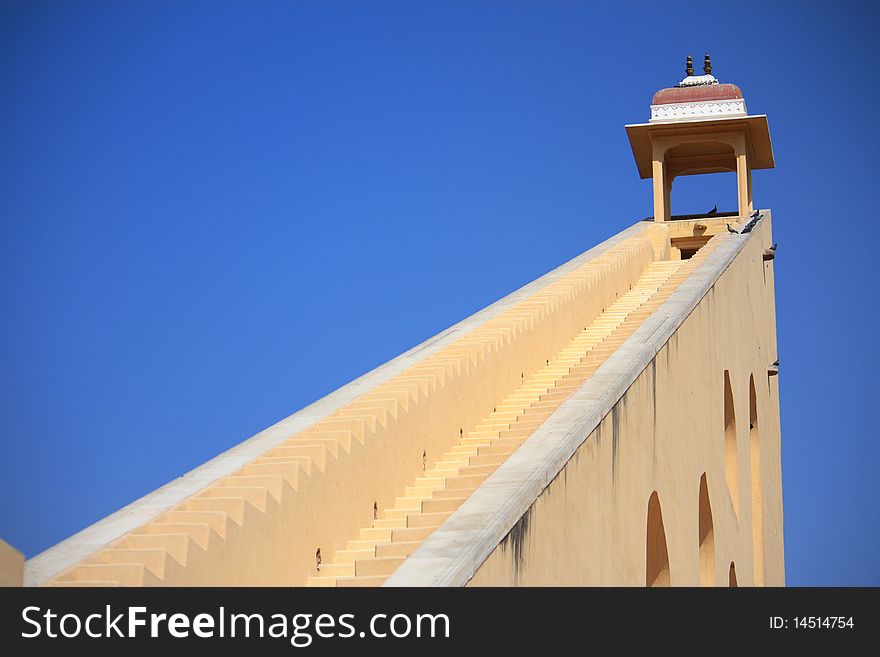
731 469
755 456
656 556
707 537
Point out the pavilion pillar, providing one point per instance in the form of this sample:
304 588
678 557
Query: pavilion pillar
661 185
743 177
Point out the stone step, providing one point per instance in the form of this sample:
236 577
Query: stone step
378 566
442 473
83 583
396 513
289 469
512 408
466 450
176 545
535 418
200 533
273 484
427 519
450 494
346 582
452 463
483 427
338 569
517 432
377 533
122 574
411 534
350 556
488 459
319 581
365 543
423 492
153 559
469 482
408 503
233 507
506 416
503 448
429 482
399 549
447 505
479 434
479 470
390 523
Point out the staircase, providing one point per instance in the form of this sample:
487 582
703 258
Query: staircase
277 508
379 549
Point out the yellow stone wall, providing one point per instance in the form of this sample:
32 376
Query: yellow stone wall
590 525
262 524
11 565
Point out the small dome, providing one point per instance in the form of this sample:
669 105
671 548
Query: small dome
697 93
697 97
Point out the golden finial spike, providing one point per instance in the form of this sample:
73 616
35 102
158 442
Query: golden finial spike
689 67
707 65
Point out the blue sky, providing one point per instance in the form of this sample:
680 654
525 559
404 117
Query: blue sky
200 200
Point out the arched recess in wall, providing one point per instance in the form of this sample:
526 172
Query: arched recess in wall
731 467
731 576
656 555
755 456
707 537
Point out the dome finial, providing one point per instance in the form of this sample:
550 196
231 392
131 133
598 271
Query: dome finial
707 65
689 67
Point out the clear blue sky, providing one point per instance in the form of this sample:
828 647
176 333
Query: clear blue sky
200 200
